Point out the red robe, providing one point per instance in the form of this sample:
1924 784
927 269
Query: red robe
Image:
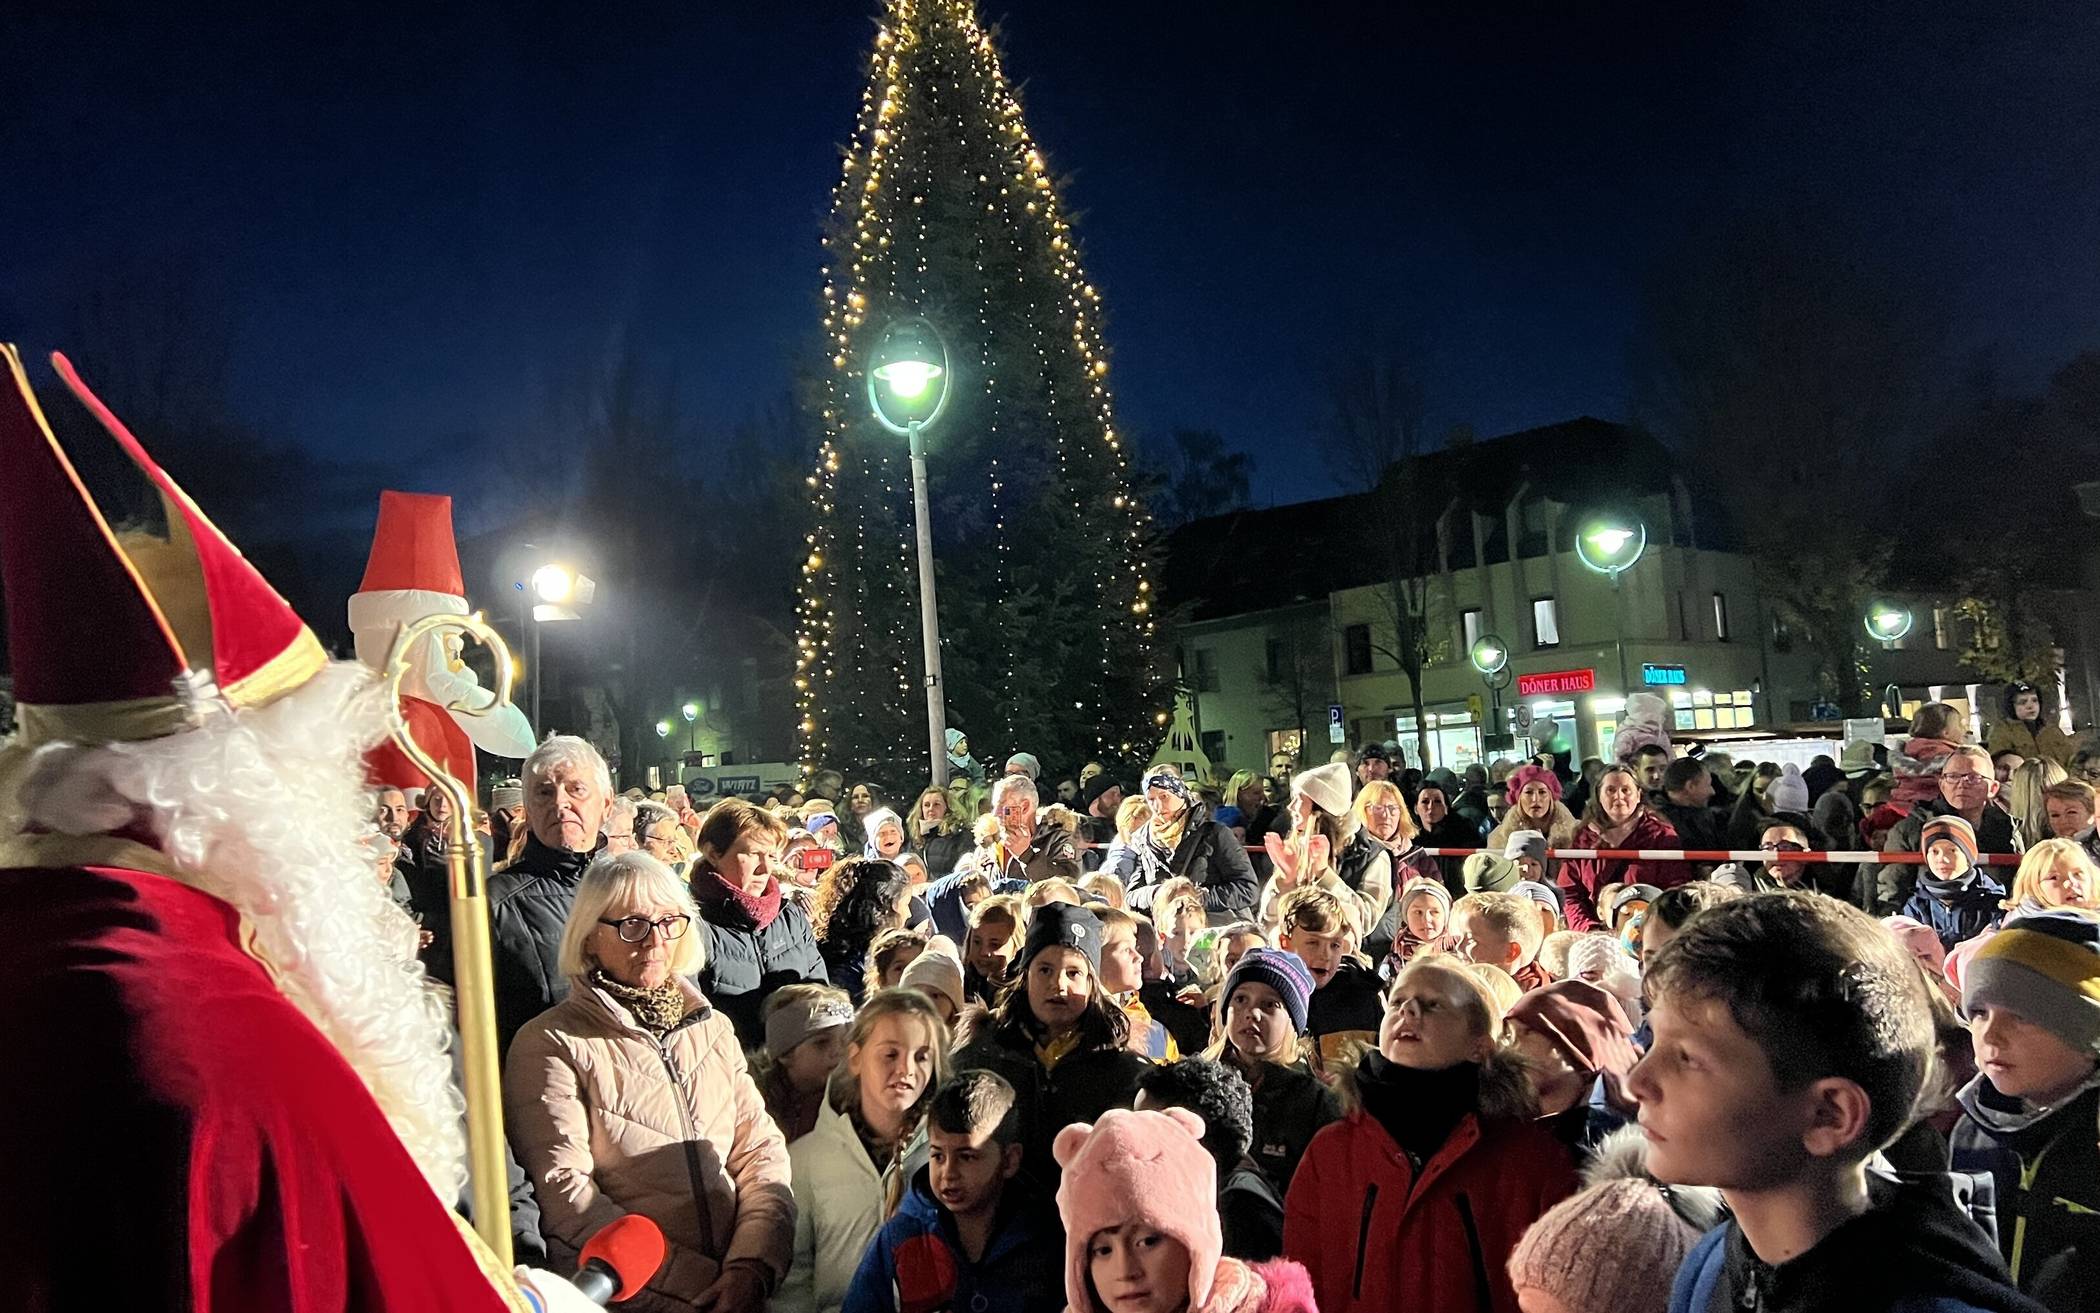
436 733
180 1136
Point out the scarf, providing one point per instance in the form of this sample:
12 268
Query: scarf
716 894
1162 837
655 1010
1419 1109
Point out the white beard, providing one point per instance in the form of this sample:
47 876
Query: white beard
265 809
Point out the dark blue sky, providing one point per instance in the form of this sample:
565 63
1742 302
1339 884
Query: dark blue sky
420 217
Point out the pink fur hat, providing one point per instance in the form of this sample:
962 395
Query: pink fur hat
1145 1167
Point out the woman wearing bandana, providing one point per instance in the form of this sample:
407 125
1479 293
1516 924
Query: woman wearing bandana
1181 840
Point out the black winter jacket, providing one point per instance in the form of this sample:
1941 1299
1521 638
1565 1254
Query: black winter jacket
1082 1086
1290 1106
528 905
1210 855
747 961
2047 1172
1893 885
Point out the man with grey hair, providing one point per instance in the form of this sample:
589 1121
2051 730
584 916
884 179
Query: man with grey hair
1026 849
1967 785
568 791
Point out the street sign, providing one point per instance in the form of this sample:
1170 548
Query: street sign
1654 675
1477 705
1334 723
1520 719
1556 681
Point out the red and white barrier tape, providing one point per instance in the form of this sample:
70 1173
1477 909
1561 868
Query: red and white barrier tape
1727 855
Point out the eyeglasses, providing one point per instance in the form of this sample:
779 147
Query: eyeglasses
1381 809
635 929
1782 846
619 834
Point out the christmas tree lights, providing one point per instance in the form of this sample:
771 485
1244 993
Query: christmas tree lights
945 208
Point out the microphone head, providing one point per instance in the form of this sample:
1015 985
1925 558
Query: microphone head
632 1246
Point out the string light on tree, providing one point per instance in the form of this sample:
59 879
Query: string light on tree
946 208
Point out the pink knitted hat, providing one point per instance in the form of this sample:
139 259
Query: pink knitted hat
1614 1248
1144 1167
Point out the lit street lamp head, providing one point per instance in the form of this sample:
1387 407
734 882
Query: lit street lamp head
1489 654
908 375
663 729
553 583
1888 621
691 711
1609 542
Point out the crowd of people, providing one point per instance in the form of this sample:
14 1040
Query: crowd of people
1251 1047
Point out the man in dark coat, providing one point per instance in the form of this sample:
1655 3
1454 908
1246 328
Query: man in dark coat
1686 802
567 792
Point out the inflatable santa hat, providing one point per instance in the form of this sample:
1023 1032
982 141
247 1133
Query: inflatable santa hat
413 572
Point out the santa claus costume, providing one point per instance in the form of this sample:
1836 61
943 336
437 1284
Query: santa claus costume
226 1084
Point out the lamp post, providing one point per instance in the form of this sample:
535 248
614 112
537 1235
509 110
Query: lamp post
1609 542
691 712
548 591
1888 622
1490 656
907 389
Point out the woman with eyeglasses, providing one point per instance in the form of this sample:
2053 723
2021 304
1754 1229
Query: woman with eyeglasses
631 1096
1783 835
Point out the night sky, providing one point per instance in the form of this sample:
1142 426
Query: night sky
417 218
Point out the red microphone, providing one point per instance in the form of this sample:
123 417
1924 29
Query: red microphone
620 1259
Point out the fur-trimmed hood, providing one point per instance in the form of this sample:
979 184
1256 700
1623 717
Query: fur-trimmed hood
1623 1156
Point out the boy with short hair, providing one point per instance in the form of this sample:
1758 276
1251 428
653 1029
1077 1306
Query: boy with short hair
960 1238
1348 1006
1500 930
988 953
1792 1040
2032 997
1122 976
1953 895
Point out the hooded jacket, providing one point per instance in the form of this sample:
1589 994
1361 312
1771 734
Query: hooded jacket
1956 909
1084 1084
529 903
1381 1232
2047 1170
752 951
2040 739
839 1197
916 1260
1912 1251
607 1119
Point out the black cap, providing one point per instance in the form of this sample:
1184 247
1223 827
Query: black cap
1374 752
1097 786
1062 925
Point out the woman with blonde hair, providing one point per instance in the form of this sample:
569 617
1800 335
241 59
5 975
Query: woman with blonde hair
1383 819
938 832
631 1096
2025 795
2053 873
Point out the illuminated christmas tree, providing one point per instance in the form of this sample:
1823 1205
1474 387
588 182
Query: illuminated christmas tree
946 210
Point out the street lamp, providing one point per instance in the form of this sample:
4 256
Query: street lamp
1888 622
663 729
691 712
1609 541
547 592
907 389
1489 654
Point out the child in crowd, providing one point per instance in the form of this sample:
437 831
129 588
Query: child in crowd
1056 1035
1486 872
1673 907
888 954
1235 939
1500 930
1953 895
951 899
1626 914
1415 1199
1923 944
806 1028
961 1238
1792 1040
988 953
1503 991
1424 924
2032 996
1250 1206
1105 887
1527 849
1548 900
1615 1247
844 1169
1580 1045
1318 925
1602 960
1182 1008
1264 1008
1935 732
2053 873
1122 976
938 974
1139 1202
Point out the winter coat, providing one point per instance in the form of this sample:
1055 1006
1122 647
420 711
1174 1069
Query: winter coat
1560 833
1349 1007
839 1199
950 915
1250 1213
1052 852
528 906
1912 1251
422 867
1581 877
607 1120
1097 834
1471 806
1697 827
1410 863
2032 742
1454 831
1291 1105
2047 1171
1208 854
1084 1084
942 853
748 959
1956 909
1996 832
917 1261
1380 1234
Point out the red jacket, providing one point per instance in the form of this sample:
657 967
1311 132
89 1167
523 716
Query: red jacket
1581 877
1378 1237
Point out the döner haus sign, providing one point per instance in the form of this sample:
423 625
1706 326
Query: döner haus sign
1555 682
